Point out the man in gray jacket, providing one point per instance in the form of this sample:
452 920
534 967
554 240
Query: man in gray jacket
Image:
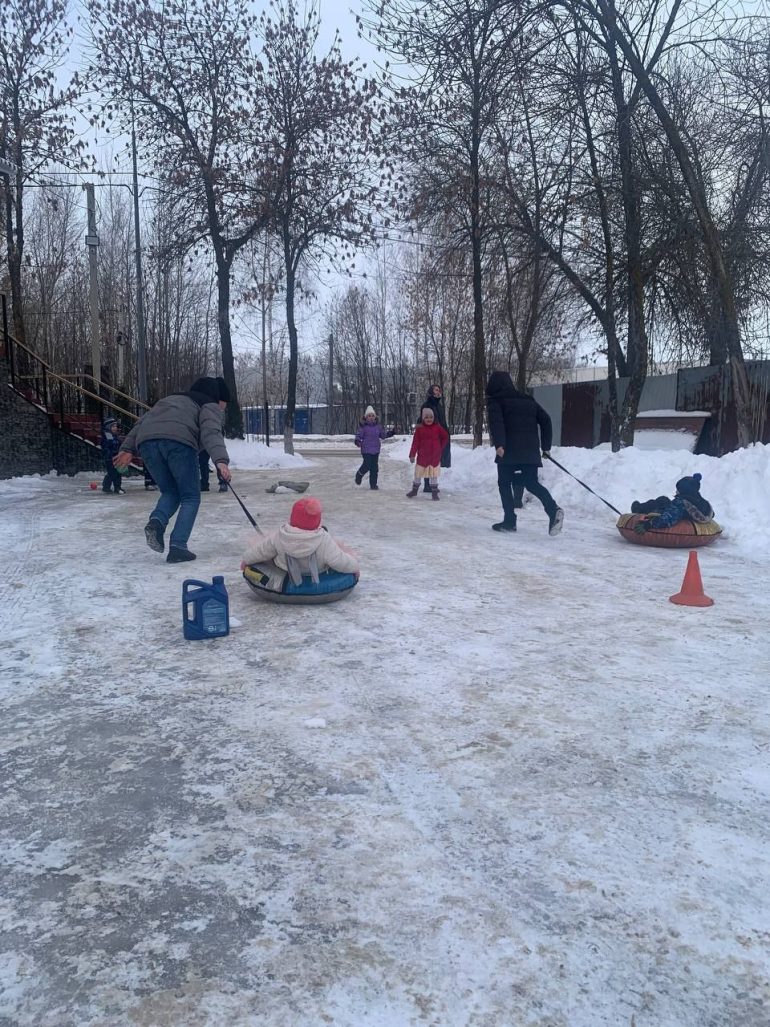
168 439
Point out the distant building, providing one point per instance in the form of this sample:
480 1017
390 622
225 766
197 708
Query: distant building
308 420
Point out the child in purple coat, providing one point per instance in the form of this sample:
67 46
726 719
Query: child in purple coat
369 440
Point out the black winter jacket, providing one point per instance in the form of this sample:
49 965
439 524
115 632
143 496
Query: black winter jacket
514 419
436 404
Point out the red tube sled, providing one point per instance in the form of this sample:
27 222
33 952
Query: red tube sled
683 535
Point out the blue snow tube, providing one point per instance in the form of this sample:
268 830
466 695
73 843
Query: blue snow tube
331 586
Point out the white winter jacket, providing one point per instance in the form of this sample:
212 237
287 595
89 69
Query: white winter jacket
301 544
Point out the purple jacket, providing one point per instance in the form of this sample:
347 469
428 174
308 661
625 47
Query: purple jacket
369 437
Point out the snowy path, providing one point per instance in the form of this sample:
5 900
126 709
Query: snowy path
505 784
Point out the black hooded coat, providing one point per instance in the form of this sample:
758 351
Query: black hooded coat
516 422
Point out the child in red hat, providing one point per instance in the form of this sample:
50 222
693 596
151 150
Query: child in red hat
302 539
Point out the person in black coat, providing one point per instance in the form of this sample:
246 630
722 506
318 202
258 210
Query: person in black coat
519 428
435 401
203 464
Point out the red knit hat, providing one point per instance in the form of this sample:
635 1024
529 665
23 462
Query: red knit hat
306 514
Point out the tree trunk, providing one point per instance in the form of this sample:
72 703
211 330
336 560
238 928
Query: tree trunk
479 349
291 390
233 416
14 236
722 277
637 349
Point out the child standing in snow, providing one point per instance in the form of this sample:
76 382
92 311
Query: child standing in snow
687 504
110 446
369 440
427 446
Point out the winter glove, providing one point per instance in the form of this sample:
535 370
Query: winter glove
641 527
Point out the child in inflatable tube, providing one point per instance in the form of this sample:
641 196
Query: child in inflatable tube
300 558
687 504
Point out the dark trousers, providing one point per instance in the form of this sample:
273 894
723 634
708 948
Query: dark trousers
203 463
370 464
653 505
512 479
112 478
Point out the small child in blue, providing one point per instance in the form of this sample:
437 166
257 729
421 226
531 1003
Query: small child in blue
369 440
687 504
110 445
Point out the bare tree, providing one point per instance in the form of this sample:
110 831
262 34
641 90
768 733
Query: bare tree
459 53
36 124
324 128
184 70
615 25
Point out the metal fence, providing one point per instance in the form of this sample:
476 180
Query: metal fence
580 410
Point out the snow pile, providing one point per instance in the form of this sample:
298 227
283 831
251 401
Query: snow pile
254 456
660 438
737 485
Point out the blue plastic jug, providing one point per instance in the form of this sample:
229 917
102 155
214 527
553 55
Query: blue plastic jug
205 608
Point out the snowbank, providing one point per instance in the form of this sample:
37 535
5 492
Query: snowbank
737 485
254 456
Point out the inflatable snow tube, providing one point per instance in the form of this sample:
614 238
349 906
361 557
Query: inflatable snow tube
275 586
684 535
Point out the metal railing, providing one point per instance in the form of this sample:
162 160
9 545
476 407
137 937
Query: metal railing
72 405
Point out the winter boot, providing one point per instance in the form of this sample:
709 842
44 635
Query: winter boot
359 477
179 554
374 488
153 532
434 492
505 525
204 488
426 485
555 521
413 490
223 486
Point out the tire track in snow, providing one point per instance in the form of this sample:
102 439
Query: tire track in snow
19 579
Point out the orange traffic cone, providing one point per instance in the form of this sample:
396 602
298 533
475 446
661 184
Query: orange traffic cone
692 593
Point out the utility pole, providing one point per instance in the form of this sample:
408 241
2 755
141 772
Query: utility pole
141 351
330 418
121 344
265 404
92 242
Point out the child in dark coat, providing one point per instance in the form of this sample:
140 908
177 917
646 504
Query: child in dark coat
427 446
369 440
687 504
110 446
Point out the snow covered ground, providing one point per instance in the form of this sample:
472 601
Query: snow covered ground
505 784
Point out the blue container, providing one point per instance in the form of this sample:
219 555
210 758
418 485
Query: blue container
205 609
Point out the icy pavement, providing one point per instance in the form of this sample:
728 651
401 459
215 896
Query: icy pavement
504 784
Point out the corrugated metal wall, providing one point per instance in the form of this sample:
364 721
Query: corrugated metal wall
549 398
580 410
659 393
